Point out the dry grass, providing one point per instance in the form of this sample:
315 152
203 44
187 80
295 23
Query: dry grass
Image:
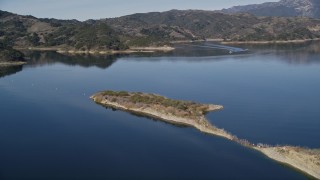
170 106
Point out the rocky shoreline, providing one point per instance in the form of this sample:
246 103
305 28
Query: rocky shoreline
306 160
205 127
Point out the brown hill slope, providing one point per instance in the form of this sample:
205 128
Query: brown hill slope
155 28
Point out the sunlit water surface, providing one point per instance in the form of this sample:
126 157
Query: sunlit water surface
50 129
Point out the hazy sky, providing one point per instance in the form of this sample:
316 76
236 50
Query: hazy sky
96 9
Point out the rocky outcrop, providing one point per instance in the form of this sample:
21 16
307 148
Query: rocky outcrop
284 8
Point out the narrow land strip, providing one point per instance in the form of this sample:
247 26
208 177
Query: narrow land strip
12 63
193 114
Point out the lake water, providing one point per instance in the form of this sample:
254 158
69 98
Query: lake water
50 129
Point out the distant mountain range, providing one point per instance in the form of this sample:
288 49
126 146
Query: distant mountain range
197 24
151 29
284 8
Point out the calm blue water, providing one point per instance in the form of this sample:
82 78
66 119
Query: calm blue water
50 129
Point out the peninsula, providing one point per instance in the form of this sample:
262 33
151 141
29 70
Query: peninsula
193 114
172 111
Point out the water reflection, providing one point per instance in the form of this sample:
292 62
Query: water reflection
63 124
141 115
292 53
43 58
202 49
296 54
38 58
9 70
230 49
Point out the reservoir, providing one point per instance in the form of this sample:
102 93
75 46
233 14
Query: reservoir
49 128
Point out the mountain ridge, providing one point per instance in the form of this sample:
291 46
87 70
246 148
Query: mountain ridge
151 29
283 8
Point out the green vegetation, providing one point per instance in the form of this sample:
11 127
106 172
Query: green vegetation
25 31
160 100
297 33
98 35
60 36
138 99
116 93
158 35
34 39
85 37
141 41
7 53
150 29
261 34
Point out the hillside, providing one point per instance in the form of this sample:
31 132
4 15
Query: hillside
8 54
28 31
285 8
195 24
151 29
